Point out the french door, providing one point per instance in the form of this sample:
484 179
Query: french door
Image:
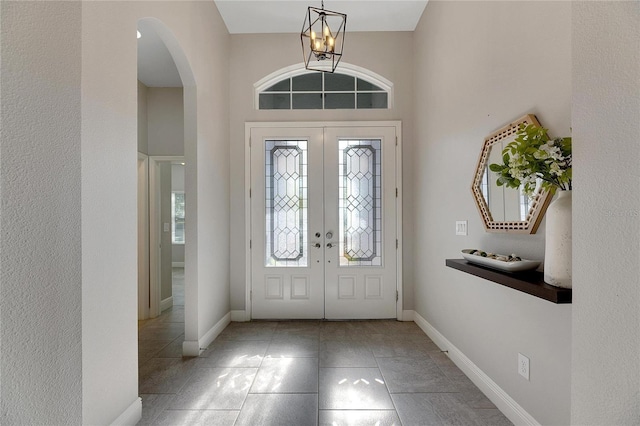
323 222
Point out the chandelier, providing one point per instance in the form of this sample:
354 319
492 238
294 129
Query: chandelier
322 39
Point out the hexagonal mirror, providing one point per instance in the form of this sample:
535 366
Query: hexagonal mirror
506 209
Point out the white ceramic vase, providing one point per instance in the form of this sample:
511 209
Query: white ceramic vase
557 247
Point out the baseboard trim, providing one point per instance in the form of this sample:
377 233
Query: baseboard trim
177 264
131 415
407 315
195 348
166 303
239 316
509 407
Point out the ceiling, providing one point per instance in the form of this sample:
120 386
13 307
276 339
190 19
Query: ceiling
156 68
262 16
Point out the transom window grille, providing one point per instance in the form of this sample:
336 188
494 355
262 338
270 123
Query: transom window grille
323 91
286 203
360 202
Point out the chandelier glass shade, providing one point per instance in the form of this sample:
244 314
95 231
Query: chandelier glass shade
322 39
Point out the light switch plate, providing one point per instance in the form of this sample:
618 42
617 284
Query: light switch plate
167 227
461 227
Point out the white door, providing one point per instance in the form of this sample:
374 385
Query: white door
323 222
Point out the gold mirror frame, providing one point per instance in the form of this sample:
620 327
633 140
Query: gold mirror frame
537 204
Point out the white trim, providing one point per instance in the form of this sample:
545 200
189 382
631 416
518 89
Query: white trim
509 407
247 219
131 415
299 69
239 316
143 238
177 264
399 284
247 183
407 316
193 348
166 303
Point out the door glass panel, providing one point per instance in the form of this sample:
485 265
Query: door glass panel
360 202
286 203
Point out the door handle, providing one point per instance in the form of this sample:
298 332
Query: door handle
330 245
317 245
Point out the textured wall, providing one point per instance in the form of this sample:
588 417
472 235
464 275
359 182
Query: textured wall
606 208
256 56
40 259
109 145
479 66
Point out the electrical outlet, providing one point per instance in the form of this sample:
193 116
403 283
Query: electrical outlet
523 366
461 227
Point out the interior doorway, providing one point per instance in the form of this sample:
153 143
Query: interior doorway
325 220
167 229
165 74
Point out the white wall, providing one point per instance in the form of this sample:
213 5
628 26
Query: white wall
165 120
479 66
109 113
40 302
606 207
256 56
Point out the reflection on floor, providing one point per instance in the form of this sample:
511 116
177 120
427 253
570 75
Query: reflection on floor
305 373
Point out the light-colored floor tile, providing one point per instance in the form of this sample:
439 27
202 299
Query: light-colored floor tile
234 354
215 389
492 417
347 353
147 349
165 375
390 347
161 331
197 417
287 375
358 418
279 410
353 389
280 373
249 331
172 350
293 347
415 409
404 374
297 329
152 406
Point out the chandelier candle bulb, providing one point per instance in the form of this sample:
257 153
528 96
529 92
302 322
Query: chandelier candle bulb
322 39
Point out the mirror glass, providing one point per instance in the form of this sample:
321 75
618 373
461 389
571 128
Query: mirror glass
506 209
505 204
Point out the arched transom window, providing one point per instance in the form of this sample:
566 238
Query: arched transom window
350 87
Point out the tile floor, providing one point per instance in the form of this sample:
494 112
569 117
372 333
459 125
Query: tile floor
305 373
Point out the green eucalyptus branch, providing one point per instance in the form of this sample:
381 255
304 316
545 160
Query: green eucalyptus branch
534 159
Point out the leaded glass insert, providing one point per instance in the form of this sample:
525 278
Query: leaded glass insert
286 203
360 202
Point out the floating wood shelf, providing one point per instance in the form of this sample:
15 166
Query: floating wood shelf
530 282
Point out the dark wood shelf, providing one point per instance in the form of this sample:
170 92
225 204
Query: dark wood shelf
530 282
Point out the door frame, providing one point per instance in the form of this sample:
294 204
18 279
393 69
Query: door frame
248 126
155 231
143 237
